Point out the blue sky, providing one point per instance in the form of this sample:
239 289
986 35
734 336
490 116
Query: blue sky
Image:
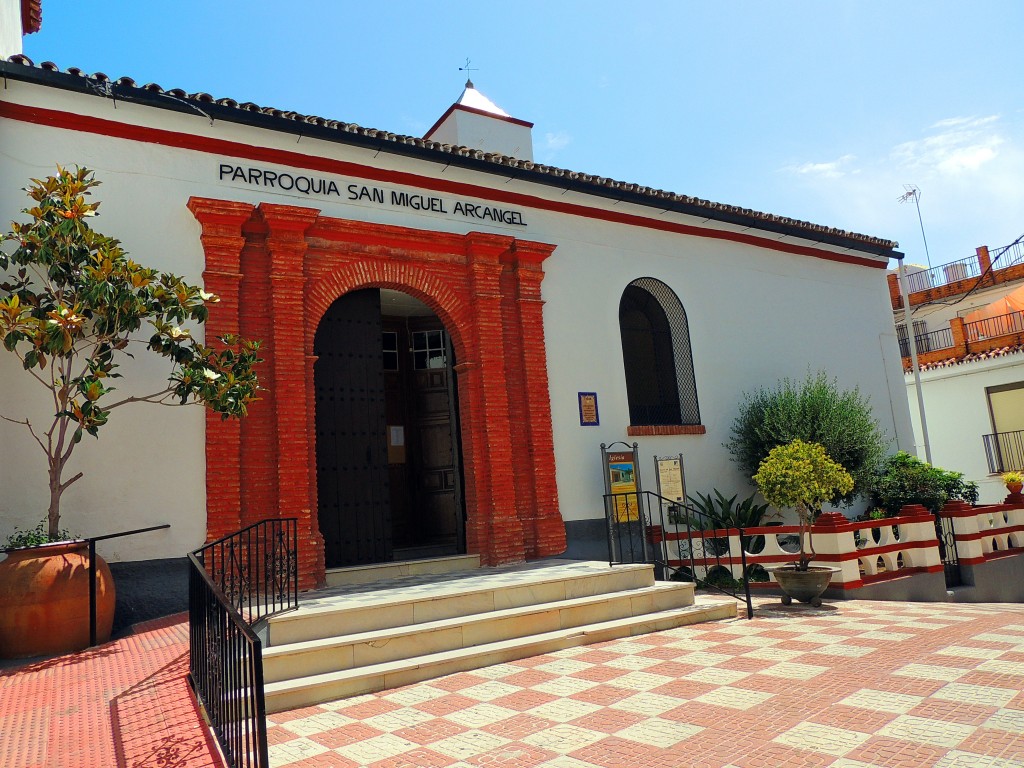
816 110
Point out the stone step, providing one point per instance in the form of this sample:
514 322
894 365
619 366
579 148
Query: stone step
302 659
314 689
418 599
364 574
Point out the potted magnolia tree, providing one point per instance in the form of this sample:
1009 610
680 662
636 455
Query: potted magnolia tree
73 306
802 476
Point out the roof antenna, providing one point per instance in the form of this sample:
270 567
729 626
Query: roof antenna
914 193
467 69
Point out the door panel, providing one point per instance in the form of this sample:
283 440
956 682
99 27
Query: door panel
351 448
438 489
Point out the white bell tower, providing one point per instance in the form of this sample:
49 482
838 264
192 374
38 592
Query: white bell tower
476 121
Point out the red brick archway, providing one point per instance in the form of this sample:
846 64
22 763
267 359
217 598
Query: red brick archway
278 268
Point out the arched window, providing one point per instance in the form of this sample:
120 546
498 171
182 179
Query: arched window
660 384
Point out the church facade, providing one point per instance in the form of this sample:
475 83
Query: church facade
450 329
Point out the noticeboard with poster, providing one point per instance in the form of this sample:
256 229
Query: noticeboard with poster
671 481
622 481
671 485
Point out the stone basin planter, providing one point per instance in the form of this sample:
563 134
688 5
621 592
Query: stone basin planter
805 586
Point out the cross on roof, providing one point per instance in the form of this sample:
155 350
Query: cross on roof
467 69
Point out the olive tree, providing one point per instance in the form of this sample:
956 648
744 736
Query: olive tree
814 410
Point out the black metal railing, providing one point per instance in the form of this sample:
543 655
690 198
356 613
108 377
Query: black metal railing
966 268
233 583
945 533
91 544
1004 451
1009 255
961 269
928 342
676 538
1000 325
256 568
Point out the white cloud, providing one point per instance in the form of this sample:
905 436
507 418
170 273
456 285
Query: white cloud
547 149
968 168
553 142
960 144
951 122
830 170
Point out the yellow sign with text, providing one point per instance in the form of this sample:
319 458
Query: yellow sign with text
622 481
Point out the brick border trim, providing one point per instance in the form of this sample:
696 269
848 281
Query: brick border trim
278 268
667 429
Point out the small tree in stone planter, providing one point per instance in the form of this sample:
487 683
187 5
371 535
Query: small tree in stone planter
801 475
72 304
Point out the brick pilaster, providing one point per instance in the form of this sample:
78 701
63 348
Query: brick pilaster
316 539
491 433
538 502
286 249
259 451
894 291
221 235
959 333
985 264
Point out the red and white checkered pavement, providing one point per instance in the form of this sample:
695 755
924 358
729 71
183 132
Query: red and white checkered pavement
852 685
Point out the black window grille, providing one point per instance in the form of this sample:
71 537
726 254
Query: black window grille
660 384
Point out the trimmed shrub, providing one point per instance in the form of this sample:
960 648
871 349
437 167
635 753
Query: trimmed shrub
904 479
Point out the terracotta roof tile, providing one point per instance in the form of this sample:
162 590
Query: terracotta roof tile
461 151
974 357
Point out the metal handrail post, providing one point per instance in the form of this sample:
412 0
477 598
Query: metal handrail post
92 592
746 579
608 502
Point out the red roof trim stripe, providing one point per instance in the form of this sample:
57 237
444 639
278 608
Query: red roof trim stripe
99 126
475 111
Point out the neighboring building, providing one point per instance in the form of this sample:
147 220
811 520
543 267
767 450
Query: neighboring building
968 324
437 319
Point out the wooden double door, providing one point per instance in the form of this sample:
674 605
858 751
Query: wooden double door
389 482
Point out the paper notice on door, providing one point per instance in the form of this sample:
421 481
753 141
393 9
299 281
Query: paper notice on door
396 436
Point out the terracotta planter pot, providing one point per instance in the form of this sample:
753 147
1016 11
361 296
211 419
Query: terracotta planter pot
805 586
44 601
1014 487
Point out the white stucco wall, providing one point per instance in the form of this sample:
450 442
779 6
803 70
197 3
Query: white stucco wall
755 315
957 413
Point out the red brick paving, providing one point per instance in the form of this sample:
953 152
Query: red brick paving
125 703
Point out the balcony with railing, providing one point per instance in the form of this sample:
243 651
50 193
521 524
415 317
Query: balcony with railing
1000 265
964 338
929 342
994 327
961 269
1004 451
